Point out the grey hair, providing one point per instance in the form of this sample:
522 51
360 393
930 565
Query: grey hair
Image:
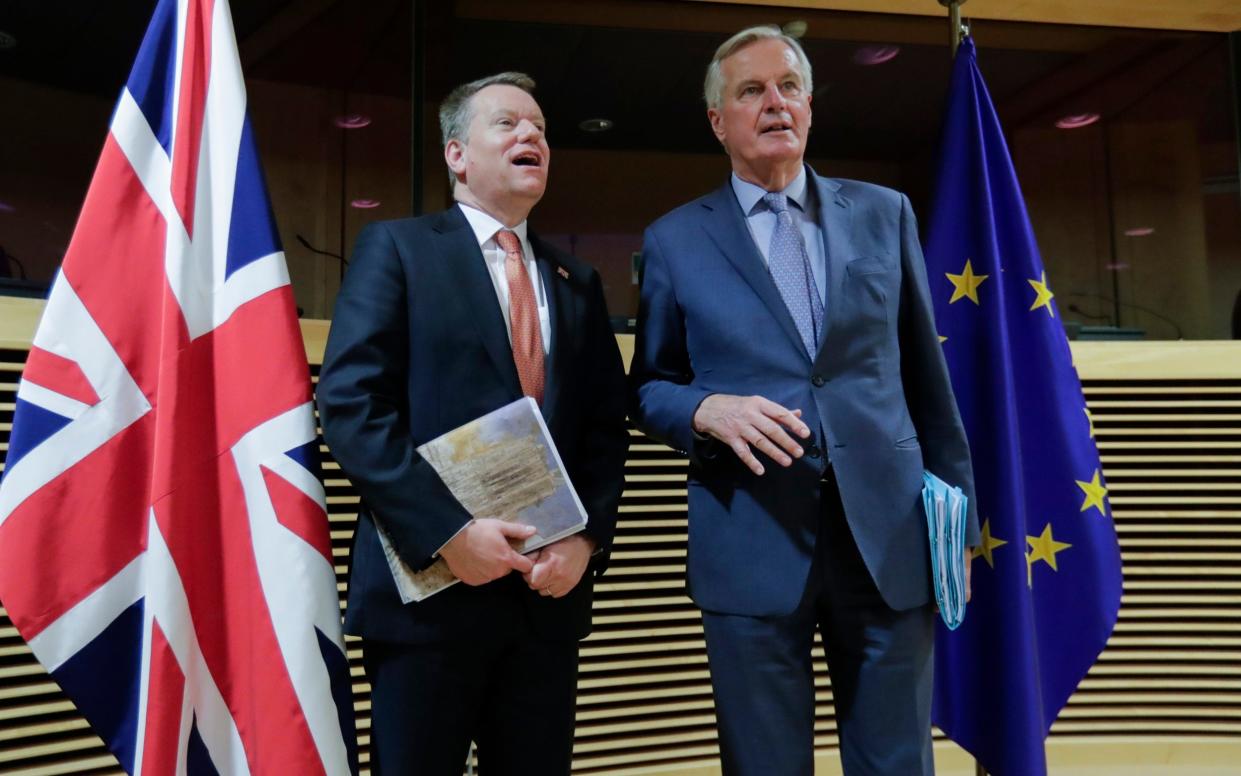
713 86
457 109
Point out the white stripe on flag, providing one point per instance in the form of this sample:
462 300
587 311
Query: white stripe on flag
167 604
50 400
299 585
79 626
68 329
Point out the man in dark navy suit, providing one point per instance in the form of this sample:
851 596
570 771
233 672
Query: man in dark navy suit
440 320
786 342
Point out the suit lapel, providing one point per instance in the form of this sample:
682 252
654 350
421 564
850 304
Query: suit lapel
836 222
561 312
727 229
461 258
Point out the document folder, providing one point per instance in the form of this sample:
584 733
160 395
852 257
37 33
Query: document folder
945 522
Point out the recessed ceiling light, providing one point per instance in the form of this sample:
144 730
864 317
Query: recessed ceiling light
7 41
795 28
1076 120
1141 231
595 125
875 55
1118 266
352 121
365 204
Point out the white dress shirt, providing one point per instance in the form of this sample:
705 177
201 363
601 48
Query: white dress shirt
485 228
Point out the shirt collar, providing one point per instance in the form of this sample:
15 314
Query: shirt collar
485 226
749 194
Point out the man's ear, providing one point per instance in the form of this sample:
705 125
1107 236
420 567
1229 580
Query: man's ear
717 124
455 157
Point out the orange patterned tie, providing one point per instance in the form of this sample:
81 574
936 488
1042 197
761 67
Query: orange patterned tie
523 312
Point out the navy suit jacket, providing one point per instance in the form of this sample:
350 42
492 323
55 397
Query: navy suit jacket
418 347
877 396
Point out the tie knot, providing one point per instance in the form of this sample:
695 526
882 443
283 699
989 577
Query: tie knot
509 242
777 202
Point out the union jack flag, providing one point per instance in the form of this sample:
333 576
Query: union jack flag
164 544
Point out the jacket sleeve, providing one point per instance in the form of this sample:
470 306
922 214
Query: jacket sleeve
663 399
364 406
924 373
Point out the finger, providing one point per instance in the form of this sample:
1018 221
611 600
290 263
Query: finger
769 449
519 562
775 432
540 576
742 450
790 419
517 530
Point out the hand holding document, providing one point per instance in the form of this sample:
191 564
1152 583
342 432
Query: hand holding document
502 465
945 521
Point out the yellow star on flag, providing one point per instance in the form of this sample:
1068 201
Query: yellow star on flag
966 284
942 339
1044 295
988 544
1042 547
1095 493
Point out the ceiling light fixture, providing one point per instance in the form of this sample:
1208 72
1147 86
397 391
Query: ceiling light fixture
1076 120
875 55
352 121
795 28
1141 231
365 204
596 125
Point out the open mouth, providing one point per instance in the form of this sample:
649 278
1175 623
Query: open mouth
781 127
528 159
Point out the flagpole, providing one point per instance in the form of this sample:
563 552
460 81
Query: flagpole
957 30
954 21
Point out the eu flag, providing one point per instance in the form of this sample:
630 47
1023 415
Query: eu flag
1046 578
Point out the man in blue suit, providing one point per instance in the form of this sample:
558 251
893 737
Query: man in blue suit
786 343
442 319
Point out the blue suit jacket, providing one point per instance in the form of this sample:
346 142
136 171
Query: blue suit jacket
877 396
418 346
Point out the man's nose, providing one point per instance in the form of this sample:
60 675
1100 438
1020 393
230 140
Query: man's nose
773 99
528 130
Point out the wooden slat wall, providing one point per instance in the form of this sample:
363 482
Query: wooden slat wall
1170 437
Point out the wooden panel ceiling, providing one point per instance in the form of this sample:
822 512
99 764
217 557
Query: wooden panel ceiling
1202 15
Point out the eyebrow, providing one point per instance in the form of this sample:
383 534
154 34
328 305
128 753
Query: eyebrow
509 113
787 74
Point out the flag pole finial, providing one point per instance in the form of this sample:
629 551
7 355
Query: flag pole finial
954 22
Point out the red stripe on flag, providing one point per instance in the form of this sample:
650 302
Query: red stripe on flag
165 694
206 524
226 382
115 263
191 104
59 374
76 532
299 513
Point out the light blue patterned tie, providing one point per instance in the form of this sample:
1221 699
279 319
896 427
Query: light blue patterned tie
789 264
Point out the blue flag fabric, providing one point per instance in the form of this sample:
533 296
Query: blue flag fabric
1047 578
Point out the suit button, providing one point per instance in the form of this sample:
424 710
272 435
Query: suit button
814 452
818 381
